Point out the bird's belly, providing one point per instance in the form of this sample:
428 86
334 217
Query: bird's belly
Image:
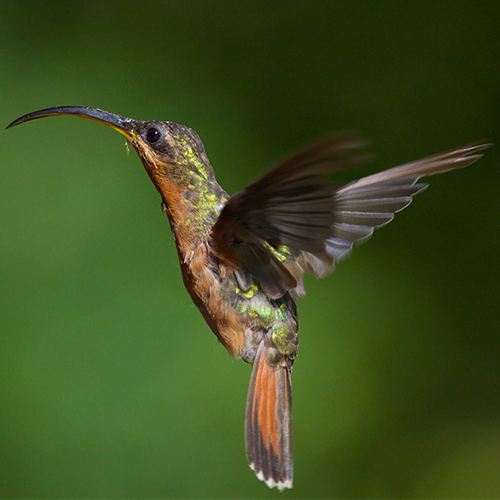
240 319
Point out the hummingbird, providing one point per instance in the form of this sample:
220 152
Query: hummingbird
243 257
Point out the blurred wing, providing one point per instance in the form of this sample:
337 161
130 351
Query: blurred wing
289 222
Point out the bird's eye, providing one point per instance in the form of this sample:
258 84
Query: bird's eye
152 135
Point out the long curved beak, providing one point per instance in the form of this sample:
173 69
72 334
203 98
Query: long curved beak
120 123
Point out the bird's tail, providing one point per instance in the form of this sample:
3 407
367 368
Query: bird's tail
268 423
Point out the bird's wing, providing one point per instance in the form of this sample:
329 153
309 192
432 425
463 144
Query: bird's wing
291 221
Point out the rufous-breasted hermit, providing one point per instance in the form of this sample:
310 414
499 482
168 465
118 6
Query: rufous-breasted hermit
243 257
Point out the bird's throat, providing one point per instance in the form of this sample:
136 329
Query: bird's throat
192 200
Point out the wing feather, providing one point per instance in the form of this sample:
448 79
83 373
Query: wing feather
291 221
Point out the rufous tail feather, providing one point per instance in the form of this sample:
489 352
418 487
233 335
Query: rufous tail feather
268 423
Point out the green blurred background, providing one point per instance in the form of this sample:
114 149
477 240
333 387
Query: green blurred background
111 383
